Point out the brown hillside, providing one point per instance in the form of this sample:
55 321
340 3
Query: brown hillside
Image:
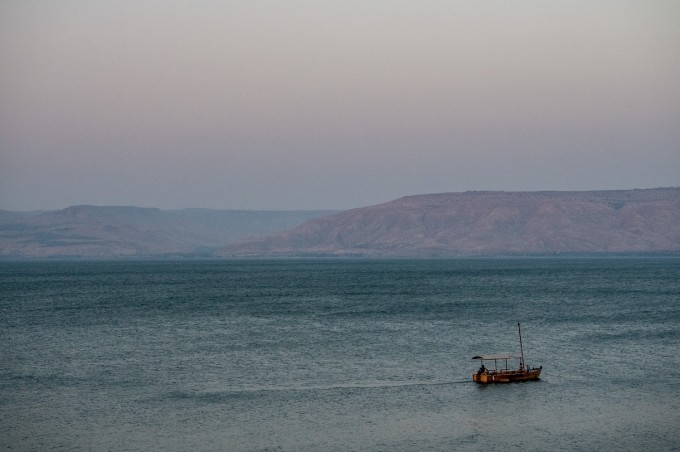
490 223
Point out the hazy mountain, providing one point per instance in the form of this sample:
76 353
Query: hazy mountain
490 223
93 231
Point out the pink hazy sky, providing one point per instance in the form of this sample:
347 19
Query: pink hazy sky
266 104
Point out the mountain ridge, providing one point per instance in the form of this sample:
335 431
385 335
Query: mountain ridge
87 231
473 223
488 223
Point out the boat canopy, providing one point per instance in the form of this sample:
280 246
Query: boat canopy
499 356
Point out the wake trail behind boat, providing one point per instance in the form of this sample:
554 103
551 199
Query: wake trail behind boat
376 385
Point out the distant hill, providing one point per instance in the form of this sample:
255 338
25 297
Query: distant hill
488 224
113 231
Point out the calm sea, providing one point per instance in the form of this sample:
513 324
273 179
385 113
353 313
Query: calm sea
316 355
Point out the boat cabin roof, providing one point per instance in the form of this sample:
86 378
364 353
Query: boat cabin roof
497 356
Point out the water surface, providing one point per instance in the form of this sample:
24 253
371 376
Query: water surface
338 354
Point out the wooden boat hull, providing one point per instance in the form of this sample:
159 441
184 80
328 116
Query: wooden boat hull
510 376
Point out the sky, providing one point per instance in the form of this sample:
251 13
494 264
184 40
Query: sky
277 105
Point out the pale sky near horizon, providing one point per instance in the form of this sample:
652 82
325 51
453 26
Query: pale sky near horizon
264 104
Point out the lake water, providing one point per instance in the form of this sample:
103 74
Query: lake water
316 355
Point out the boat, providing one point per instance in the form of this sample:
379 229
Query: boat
505 373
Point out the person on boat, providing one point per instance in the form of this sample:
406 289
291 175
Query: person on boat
481 370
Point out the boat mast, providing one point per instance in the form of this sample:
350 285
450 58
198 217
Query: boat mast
521 349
